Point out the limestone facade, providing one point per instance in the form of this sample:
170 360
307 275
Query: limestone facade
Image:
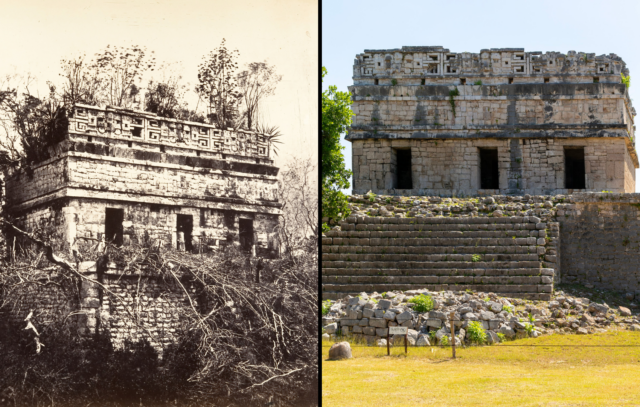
531 107
158 172
132 177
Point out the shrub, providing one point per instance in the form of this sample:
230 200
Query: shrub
529 328
502 337
444 341
326 306
476 333
424 303
506 308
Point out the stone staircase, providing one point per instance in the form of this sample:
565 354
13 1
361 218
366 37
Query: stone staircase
504 255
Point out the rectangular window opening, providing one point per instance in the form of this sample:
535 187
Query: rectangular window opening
463 81
162 149
203 220
403 169
546 80
89 139
246 234
184 228
489 173
376 82
574 171
113 230
422 81
510 81
596 79
130 144
519 68
136 132
433 57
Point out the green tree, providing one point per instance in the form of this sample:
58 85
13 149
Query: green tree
336 117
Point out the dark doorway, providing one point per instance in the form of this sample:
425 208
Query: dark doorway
185 225
574 173
246 234
403 169
489 174
113 226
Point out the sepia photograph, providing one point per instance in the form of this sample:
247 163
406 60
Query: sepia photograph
480 210
160 206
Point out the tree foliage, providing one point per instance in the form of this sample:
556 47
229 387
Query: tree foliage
31 124
218 85
257 82
336 117
113 77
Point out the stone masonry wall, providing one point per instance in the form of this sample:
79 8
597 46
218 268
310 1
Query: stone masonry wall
528 104
487 106
592 239
451 167
84 171
148 307
600 238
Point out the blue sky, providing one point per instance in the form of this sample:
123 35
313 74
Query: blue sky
350 27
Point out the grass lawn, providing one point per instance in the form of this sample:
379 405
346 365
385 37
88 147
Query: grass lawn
497 375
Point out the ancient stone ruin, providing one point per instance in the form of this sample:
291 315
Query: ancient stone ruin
503 121
125 176
502 172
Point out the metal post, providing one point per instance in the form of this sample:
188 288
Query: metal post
388 352
453 336
406 334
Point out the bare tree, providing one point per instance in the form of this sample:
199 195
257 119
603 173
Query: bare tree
257 82
298 191
218 86
113 77
81 84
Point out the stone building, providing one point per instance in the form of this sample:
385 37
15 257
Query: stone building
429 121
126 177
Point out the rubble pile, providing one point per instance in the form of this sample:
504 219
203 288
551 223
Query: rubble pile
367 317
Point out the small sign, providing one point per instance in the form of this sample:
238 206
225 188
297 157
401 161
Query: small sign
398 330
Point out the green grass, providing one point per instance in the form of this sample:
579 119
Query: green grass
496 375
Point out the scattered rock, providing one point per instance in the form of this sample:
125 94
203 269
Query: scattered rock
624 311
340 350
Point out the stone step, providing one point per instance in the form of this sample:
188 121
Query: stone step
328 272
384 287
502 280
462 227
462 241
336 295
429 250
419 234
368 257
435 220
431 264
